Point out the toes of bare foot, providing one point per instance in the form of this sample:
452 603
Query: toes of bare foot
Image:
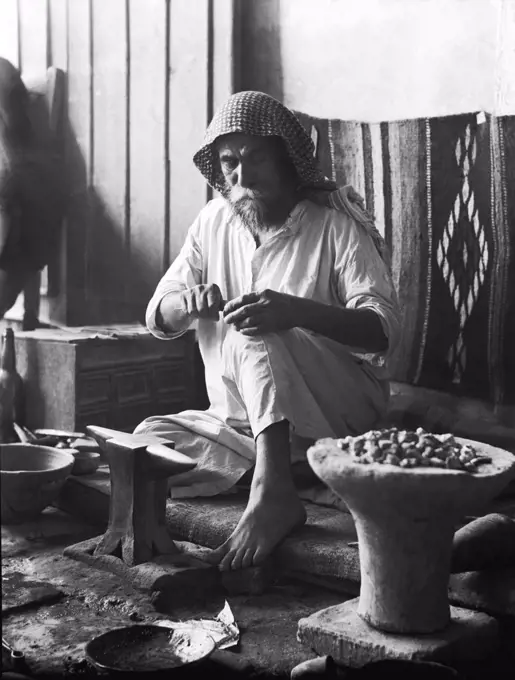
248 559
215 556
262 527
260 556
226 562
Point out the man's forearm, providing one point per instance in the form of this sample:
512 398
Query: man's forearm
170 316
359 328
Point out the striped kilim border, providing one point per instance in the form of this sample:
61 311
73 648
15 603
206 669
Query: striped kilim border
443 193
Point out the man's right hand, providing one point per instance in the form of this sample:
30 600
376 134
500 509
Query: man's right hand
203 301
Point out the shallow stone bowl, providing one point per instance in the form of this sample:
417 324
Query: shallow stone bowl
142 650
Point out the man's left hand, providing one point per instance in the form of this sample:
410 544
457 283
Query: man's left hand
259 313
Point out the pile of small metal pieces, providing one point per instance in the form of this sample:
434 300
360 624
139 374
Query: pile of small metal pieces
409 449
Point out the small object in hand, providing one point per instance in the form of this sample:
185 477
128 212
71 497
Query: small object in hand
353 544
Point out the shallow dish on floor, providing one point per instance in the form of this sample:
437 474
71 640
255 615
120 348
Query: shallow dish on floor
148 649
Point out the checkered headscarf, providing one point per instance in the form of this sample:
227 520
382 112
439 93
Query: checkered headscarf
256 113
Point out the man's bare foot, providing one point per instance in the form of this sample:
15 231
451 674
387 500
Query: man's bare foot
270 515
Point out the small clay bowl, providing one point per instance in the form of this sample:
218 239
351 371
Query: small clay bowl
86 462
147 649
31 479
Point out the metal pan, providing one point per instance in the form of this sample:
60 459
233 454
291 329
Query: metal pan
144 649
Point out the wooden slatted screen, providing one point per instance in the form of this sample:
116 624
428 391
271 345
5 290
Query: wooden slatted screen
142 79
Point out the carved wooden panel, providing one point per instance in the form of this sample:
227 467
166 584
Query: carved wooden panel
73 381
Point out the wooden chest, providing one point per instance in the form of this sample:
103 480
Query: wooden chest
113 377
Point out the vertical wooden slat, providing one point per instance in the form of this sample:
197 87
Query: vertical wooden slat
33 37
225 49
33 64
106 249
9 48
58 34
188 113
78 156
503 78
378 177
57 56
165 73
148 153
166 252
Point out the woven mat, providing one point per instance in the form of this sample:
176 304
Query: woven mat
317 553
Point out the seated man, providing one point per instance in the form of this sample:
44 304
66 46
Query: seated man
296 314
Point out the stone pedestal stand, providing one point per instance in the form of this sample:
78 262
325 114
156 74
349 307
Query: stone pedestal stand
405 520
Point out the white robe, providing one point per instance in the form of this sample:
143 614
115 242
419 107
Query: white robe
321 387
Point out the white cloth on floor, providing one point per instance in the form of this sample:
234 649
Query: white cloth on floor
321 387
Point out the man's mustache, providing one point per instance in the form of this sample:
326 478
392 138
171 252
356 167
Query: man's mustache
237 195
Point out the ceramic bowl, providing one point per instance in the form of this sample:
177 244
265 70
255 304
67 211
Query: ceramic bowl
86 462
31 478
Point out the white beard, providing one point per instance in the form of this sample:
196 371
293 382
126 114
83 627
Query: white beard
251 212
251 209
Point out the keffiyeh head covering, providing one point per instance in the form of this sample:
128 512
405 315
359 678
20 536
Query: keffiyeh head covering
259 114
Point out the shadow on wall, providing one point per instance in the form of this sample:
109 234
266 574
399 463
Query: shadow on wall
261 60
104 281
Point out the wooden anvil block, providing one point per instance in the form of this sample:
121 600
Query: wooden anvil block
137 544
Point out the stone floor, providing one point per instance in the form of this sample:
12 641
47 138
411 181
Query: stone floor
53 636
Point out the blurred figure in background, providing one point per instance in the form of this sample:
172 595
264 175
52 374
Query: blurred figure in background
30 196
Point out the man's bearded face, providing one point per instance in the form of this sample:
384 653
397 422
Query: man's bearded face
256 176
249 206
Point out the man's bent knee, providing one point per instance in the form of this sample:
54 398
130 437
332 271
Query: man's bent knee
238 348
236 343
152 425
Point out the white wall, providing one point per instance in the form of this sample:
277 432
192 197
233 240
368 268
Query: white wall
392 59
9 31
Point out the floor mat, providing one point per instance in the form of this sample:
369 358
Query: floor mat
318 552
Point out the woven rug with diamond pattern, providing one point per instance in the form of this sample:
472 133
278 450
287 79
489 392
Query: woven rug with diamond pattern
443 193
